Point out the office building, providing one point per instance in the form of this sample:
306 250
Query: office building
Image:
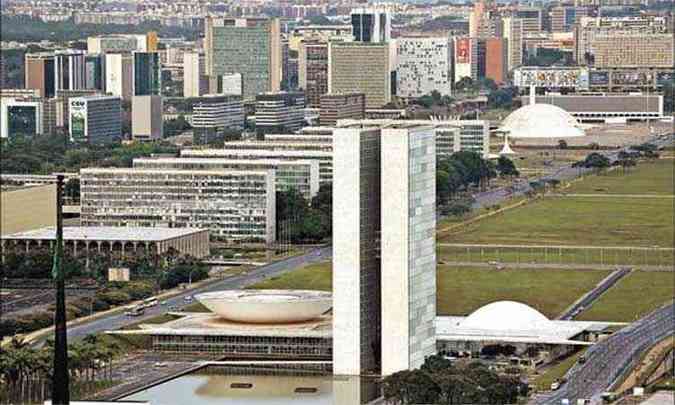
360 68
62 105
119 75
147 74
20 117
95 119
51 71
496 59
371 25
512 31
336 107
532 19
195 81
313 71
279 112
94 72
300 175
146 118
563 18
462 47
124 43
213 115
478 58
476 17
236 206
279 150
383 248
423 65
248 46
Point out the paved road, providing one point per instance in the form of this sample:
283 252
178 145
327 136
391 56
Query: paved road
590 297
608 360
230 283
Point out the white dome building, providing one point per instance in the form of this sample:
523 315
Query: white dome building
541 121
507 316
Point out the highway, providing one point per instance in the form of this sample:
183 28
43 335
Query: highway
608 360
229 283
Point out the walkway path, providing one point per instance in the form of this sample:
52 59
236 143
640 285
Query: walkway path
590 297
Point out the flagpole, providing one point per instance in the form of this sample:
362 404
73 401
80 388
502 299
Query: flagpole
60 384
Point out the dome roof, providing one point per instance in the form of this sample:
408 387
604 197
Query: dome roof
541 121
506 316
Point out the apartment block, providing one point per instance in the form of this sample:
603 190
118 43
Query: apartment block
236 206
248 46
279 112
424 64
301 175
335 107
360 68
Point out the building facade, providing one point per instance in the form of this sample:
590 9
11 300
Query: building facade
248 46
119 75
279 112
371 25
335 107
95 119
512 31
360 68
195 82
20 117
496 59
313 71
423 65
49 72
213 114
236 206
147 74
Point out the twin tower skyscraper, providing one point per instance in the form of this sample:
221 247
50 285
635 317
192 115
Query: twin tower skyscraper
384 259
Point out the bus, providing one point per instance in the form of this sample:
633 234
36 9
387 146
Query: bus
138 310
150 302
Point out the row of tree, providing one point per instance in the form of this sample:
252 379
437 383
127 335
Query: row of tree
439 381
301 221
26 372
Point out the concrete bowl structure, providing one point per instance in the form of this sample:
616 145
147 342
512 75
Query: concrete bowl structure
267 306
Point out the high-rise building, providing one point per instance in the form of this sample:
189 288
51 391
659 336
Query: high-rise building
496 59
423 65
313 71
94 72
478 59
95 119
147 74
463 57
476 17
115 43
532 18
248 46
335 107
512 31
278 113
20 117
360 68
146 118
119 75
52 71
213 114
371 25
563 18
383 248
195 81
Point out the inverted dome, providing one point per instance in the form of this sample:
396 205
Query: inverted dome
267 306
541 121
506 316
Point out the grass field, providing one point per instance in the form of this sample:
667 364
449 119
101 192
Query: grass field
646 178
312 277
636 295
463 290
577 221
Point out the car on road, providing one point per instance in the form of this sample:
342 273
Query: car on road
163 303
160 364
187 298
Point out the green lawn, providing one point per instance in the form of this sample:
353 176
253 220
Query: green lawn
577 221
647 178
311 277
634 296
461 291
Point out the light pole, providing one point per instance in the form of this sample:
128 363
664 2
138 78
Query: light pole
60 387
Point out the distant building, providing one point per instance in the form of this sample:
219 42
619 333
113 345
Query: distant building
279 112
360 68
563 18
20 117
195 82
213 114
147 74
496 59
95 119
146 117
52 71
119 75
313 71
146 197
423 65
532 18
335 107
112 43
463 58
512 31
248 46
371 25
94 72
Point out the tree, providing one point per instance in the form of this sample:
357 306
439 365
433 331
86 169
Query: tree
506 167
596 161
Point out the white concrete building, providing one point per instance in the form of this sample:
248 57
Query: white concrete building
301 175
235 205
384 305
424 64
195 82
95 119
119 77
146 117
512 30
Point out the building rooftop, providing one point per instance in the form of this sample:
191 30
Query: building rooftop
106 233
